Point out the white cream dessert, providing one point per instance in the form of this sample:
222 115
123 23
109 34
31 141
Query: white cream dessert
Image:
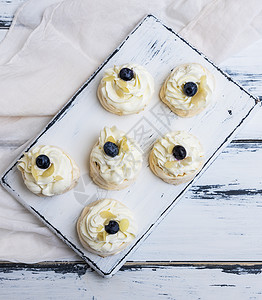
115 160
48 170
105 227
188 89
176 157
125 89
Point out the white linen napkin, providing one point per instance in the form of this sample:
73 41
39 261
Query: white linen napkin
53 46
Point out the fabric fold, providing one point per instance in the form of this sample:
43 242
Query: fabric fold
224 27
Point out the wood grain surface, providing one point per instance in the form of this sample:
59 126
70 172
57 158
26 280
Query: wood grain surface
219 220
173 281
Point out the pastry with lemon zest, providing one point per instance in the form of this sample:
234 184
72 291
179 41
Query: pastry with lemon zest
48 170
125 89
177 157
115 160
105 227
188 89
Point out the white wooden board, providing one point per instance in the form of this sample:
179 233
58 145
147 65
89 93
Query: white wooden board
76 128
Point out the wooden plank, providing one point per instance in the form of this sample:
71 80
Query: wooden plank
245 68
74 281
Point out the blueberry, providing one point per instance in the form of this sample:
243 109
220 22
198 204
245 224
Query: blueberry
111 149
42 161
126 74
179 152
190 89
112 227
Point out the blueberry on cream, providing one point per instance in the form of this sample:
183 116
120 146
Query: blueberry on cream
125 89
42 161
190 89
111 149
105 227
112 227
179 152
126 74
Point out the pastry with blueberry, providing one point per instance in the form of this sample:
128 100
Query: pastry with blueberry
125 89
188 89
115 160
48 170
105 227
177 157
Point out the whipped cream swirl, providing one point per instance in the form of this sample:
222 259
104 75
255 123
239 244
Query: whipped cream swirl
124 166
56 179
165 159
126 97
92 226
173 87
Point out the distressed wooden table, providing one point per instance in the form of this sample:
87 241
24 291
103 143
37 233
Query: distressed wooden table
208 247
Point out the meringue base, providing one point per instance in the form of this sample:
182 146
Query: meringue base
84 212
171 179
94 172
73 184
181 112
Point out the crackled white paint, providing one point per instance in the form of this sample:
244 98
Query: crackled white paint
166 282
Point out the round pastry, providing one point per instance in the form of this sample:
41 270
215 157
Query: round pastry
188 89
177 157
125 89
105 227
48 171
115 160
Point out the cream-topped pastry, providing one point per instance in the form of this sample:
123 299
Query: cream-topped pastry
177 157
125 89
188 89
105 227
48 170
115 160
